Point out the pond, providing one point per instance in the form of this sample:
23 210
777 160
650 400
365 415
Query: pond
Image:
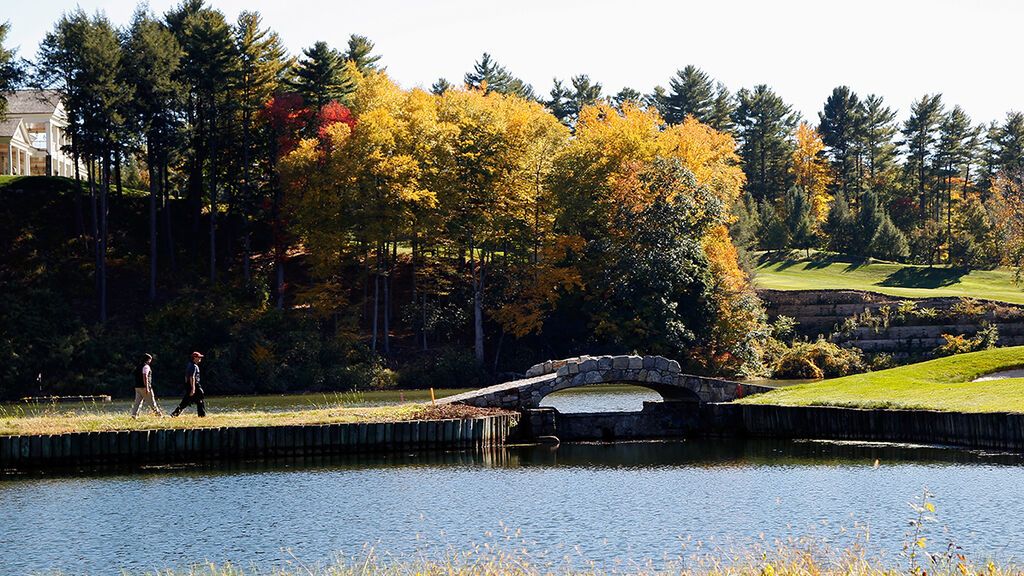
611 504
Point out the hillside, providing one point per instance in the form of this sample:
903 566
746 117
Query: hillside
823 272
941 384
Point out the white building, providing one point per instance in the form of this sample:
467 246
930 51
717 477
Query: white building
33 136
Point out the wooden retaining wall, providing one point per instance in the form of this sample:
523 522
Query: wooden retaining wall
1001 431
175 445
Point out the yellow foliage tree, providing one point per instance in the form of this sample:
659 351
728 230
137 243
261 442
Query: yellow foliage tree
811 170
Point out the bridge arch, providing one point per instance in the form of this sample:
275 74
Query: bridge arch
658 373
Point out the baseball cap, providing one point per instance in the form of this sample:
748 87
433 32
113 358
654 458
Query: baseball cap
197 355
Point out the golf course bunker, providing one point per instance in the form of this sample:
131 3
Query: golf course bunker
1015 373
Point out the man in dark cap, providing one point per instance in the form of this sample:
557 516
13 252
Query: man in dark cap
193 391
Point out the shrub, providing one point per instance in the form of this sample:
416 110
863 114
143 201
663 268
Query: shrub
819 359
444 368
986 338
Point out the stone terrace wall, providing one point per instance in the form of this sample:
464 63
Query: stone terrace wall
820 311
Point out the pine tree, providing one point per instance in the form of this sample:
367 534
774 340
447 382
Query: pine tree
490 76
690 93
11 71
627 94
840 227
440 87
722 110
1009 142
888 243
262 66
920 133
657 100
800 220
566 103
841 124
869 218
745 222
320 77
152 58
772 230
879 128
953 156
765 125
360 53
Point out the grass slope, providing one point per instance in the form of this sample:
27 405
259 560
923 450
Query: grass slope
941 384
821 272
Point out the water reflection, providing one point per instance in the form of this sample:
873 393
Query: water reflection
636 500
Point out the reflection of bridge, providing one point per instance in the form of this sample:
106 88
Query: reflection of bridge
658 373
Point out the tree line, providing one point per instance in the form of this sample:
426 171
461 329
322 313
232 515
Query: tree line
562 223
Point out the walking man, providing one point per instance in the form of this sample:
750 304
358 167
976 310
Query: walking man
193 391
144 387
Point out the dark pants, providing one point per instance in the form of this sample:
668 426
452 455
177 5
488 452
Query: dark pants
190 399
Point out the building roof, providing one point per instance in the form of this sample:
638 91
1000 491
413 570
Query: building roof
8 127
32 102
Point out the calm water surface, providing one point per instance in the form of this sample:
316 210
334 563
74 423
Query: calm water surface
607 503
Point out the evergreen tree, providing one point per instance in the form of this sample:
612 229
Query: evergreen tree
800 222
320 76
105 101
690 93
920 134
566 103
152 58
879 128
772 230
841 125
745 222
627 94
440 87
1009 143
953 156
10 69
487 74
840 227
210 70
722 110
888 243
765 125
360 53
869 218
262 66
658 100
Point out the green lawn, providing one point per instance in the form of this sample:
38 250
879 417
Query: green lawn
822 272
941 384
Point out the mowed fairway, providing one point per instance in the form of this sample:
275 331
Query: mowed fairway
941 384
829 273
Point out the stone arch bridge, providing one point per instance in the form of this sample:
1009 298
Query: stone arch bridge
657 373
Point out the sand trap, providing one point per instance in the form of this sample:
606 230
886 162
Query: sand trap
1015 373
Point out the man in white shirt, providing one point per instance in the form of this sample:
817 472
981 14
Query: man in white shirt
144 387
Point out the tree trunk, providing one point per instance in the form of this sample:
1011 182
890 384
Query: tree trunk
79 209
168 216
376 302
478 314
387 304
104 193
213 204
117 175
153 188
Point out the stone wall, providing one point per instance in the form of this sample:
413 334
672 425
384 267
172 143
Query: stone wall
820 312
175 445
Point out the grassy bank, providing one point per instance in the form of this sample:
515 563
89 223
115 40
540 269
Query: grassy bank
833 273
941 384
793 558
55 421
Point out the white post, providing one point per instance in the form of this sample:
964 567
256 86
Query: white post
10 158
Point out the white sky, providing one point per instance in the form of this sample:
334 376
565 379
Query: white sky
969 50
